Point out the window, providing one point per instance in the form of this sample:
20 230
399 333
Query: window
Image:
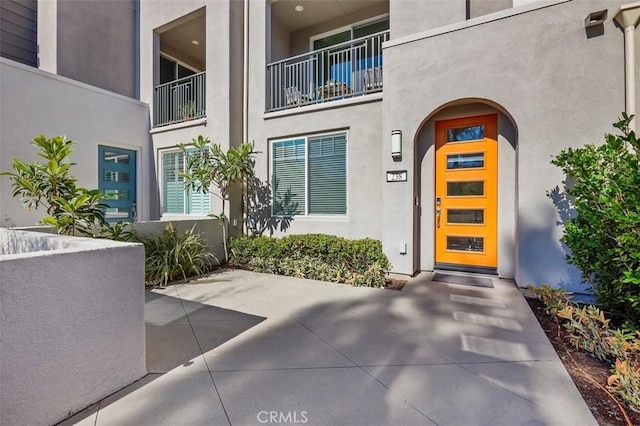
171 70
309 175
175 198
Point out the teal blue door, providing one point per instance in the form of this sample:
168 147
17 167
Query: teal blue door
117 178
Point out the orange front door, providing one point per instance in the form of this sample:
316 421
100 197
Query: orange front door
466 192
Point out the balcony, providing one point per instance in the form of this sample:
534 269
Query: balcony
180 100
179 87
344 70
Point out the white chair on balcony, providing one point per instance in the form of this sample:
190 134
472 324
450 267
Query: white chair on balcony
293 96
373 79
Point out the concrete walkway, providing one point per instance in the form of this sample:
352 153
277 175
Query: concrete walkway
243 348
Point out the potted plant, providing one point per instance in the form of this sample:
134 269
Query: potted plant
188 110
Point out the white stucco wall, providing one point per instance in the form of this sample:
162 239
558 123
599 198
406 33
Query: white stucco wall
209 228
72 320
35 102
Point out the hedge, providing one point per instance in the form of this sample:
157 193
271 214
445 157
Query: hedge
314 256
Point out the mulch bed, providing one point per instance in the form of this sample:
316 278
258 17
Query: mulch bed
394 284
581 366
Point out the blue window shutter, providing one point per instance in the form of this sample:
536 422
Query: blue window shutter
199 203
173 185
328 175
288 177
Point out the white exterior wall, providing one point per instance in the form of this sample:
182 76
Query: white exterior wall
72 320
223 123
35 102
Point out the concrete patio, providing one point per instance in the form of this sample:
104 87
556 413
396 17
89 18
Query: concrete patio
243 348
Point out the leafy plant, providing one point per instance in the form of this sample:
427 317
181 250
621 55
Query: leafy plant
554 299
78 214
209 166
175 254
188 110
71 209
604 236
625 383
120 231
588 329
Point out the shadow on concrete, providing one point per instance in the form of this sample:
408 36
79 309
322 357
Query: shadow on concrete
172 343
412 352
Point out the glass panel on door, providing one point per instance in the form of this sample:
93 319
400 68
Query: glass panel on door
465 216
465 189
465 161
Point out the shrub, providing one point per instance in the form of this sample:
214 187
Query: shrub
625 383
604 236
554 299
589 330
174 254
314 256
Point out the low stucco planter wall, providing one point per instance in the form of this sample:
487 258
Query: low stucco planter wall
210 230
72 323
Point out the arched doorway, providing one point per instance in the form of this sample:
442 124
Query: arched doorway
466 159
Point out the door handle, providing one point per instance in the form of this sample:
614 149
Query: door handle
437 218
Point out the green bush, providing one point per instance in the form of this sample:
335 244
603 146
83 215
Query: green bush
604 237
173 255
314 256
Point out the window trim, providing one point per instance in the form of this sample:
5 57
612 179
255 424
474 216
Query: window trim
176 63
349 27
306 174
161 153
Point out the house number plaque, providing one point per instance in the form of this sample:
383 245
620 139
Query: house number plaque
397 176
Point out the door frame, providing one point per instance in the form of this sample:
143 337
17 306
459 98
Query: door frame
424 186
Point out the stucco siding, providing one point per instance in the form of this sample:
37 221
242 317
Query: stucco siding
72 319
96 43
560 87
34 102
362 124
279 42
413 16
477 8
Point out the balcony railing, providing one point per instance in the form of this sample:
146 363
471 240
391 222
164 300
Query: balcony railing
340 71
180 100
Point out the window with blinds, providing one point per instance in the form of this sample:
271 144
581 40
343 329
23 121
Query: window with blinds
309 175
176 199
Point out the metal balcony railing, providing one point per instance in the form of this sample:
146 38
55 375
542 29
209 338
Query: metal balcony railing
180 100
340 71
